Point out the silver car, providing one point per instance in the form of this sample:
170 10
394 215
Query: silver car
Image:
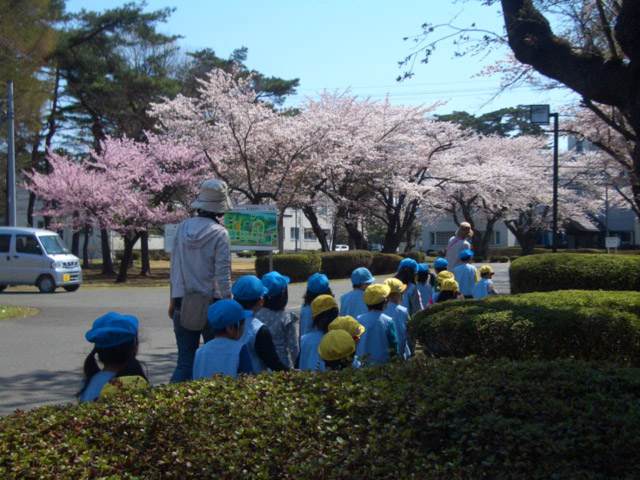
31 256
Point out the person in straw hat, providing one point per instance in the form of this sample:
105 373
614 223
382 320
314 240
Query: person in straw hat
200 263
458 243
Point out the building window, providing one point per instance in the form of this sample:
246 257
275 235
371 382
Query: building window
309 235
442 238
496 238
294 233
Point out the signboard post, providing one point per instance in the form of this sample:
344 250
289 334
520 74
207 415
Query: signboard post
611 242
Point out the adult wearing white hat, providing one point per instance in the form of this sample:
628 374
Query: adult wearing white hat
200 267
458 243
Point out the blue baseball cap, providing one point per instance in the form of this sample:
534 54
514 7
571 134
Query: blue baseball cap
423 267
465 254
440 263
275 283
248 287
318 283
113 329
225 313
361 275
409 263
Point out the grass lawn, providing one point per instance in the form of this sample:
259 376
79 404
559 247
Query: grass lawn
159 276
12 311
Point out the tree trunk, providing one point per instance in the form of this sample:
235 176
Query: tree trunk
410 244
130 240
85 247
107 263
30 207
145 270
75 243
356 238
310 213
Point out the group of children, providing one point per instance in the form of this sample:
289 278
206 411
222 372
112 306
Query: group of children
253 332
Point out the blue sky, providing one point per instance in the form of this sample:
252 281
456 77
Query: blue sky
355 44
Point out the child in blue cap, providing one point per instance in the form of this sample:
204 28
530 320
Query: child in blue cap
284 325
352 303
317 284
466 274
411 299
425 283
115 339
249 292
225 354
379 342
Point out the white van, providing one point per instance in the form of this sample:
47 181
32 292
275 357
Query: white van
30 256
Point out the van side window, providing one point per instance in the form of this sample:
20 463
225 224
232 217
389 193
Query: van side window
27 244
5 243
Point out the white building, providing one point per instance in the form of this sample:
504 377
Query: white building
436 236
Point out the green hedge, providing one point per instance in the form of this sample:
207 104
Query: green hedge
602 326
419 257
543 273
437 419
341 264
384 263
297 266
510 251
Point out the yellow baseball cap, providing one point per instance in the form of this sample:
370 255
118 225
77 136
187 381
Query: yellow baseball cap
449 284
322 303
486 269
336 344
376 293
348 324
395 285
442 276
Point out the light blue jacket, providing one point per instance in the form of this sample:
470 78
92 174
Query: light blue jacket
309 356
96 383
466 276
251 327
481 289
221 355
306 320
352 303
399 315
378 339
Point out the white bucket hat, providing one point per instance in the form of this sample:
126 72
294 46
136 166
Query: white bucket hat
213 197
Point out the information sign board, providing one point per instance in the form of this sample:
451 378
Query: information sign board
252 227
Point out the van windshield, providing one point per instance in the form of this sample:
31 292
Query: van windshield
53 244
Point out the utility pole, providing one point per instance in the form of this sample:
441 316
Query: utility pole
11 162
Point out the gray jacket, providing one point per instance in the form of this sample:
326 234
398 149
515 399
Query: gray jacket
201 259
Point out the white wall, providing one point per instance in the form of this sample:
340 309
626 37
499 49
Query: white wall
291 216
446 227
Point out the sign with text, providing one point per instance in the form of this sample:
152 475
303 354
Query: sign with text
169 234
612 242
252 227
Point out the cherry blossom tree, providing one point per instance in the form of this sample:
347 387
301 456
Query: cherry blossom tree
128 187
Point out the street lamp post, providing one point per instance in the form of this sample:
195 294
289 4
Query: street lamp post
540 115
11 163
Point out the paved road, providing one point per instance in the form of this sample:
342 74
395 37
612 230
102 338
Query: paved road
41 357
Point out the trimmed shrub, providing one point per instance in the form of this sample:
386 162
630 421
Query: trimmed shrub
602 326
514 257
544 273
500 259
384 263
296 266
246 254
341 264
419 257
437 419
508 251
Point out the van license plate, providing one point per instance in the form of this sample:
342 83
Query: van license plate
66 278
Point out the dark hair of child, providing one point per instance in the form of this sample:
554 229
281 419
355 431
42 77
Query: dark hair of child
322 321
337 364
406 275
123 355
247 304
443 296
222 331
277 302
423 277
309 296
378 306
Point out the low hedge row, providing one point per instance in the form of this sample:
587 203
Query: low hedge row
424 418
543 273
297 266
419 257
599 326
333 264
510 251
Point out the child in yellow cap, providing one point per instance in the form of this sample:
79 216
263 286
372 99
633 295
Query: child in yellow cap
399 314
449 290
484 287
336 349
353 328
324 310
379 341
442 276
